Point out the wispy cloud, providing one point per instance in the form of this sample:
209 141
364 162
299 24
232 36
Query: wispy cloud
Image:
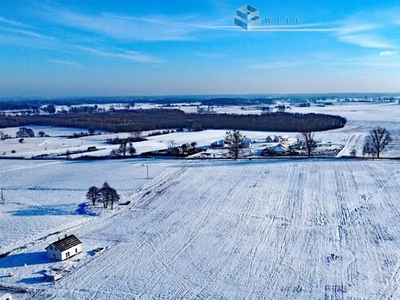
22 32
278 65
387 60
367 30
17 32
12 22
146 28
124 54
366 40
65 62
12 27
388 53
210 55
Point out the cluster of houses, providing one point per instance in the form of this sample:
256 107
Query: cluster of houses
272 145
183 150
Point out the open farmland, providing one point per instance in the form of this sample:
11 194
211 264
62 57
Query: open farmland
273 230
360 120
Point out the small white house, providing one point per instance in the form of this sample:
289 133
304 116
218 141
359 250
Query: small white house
64 248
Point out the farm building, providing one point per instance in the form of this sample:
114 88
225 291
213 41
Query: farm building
64 248
277 149
52 276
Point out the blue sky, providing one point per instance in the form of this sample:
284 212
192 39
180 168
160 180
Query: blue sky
153 47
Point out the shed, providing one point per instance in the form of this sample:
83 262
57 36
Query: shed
64 248
52 276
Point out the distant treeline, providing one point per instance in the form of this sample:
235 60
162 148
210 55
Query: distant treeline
238 101
155 119
35 104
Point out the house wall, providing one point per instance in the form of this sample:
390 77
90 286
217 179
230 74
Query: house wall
71 252
57 255
54 254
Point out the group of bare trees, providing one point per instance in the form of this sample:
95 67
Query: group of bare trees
376 141
126 144
106 195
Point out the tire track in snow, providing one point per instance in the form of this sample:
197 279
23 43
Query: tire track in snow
211 217
30 167
392 286
161 184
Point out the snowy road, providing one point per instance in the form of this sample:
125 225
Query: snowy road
247 230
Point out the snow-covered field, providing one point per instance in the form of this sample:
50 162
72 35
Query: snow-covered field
42 197
273 230
361 119
207 229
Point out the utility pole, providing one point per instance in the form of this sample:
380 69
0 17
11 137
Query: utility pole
2 199
147 171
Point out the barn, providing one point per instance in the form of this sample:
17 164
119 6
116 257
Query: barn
64 248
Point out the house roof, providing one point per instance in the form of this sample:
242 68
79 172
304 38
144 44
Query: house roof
66 243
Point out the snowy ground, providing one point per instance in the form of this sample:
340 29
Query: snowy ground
361 119
273 230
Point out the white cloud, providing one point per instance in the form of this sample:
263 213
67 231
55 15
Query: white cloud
147 28
366 40
388 53
12 22
128 55
278 65
15 28
22 32
371 61
367 30
65 62
210 55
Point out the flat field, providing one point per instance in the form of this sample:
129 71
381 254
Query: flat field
305 229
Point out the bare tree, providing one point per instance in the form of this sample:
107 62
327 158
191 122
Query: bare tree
122 147
114 197
308 137
108 195
234 141
132 150
377 140
93 194
105 194
368 148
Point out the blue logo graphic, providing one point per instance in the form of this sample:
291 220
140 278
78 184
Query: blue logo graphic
247 17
